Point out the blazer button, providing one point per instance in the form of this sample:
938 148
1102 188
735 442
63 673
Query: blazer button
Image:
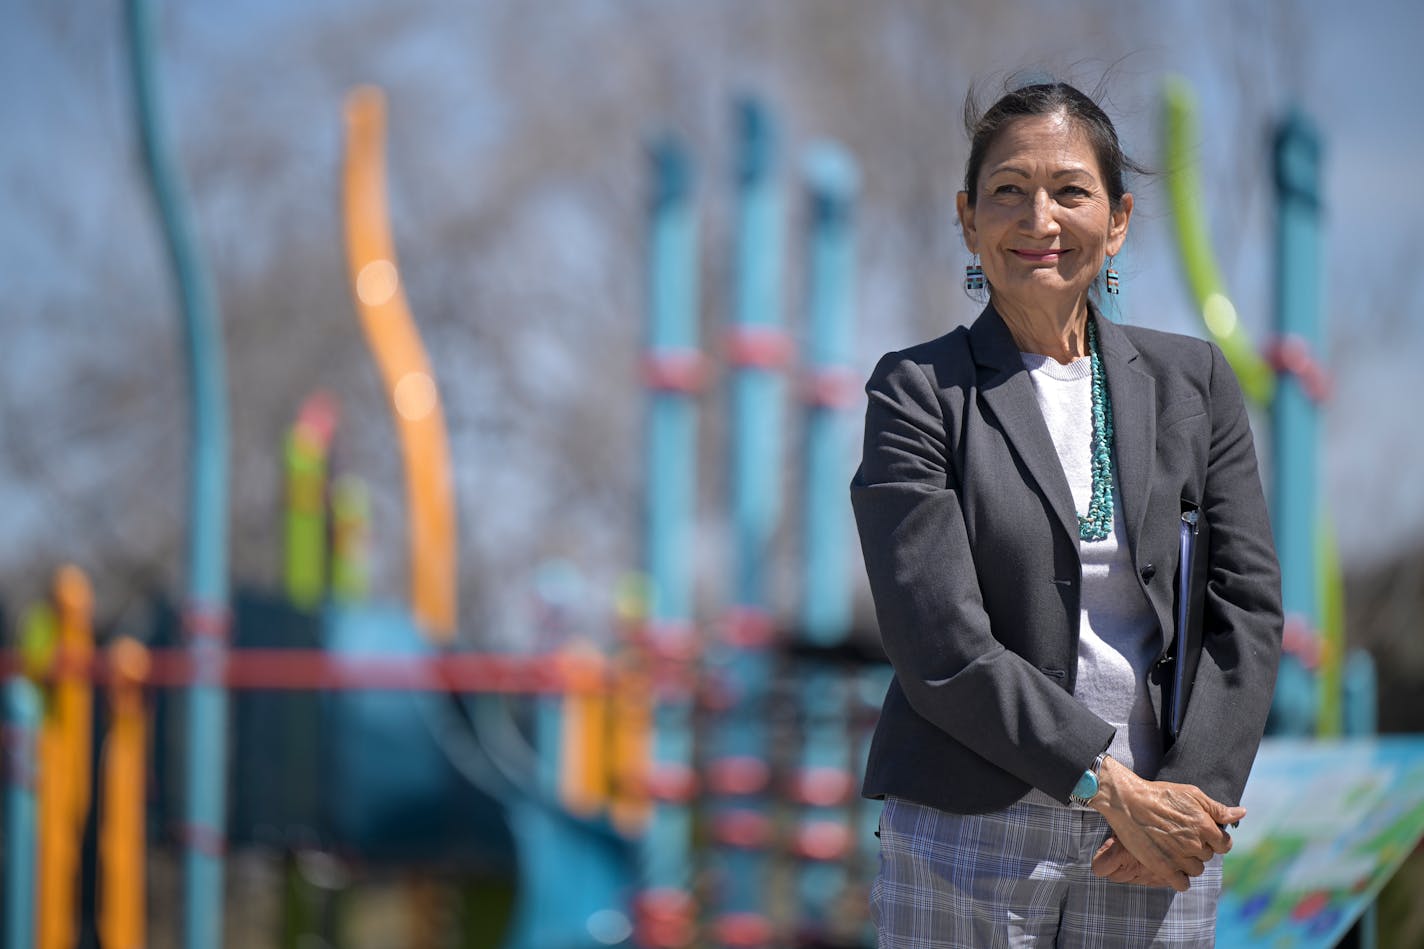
1148 572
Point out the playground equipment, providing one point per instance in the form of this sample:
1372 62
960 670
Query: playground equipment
1315 673
674 372
826 780
405 369
122 898
637 755
1320 690
20 721
205 613
738 769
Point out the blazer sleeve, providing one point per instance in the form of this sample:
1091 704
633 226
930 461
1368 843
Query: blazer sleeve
928 603
1241 625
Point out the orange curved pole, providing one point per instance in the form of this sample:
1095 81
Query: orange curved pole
395 343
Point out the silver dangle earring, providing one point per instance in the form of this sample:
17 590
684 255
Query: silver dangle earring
974 275
1111 278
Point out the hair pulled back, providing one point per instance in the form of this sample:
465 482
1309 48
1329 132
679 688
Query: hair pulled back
1046 98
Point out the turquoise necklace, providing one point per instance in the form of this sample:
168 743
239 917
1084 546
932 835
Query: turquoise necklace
1097 523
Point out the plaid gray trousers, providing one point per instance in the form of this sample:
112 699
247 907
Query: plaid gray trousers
1021 877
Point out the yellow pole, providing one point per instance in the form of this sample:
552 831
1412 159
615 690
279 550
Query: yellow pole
395 343
631 712
121 835
65 742
584 771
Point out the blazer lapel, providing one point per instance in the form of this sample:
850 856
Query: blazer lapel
1134 411
1008 391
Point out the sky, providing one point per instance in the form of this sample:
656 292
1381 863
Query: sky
1353 68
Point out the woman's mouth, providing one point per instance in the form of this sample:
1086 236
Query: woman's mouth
1039 256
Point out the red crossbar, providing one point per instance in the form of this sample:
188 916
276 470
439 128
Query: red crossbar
319 670
1291 355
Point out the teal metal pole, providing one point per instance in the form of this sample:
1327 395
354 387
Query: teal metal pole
830 389
759 349
20 722
664 911
205 618
870 687
739 772
825 780
1294 416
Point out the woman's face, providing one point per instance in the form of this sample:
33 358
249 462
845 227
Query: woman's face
1042 222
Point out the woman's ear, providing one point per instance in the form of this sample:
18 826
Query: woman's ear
1117 226
966 221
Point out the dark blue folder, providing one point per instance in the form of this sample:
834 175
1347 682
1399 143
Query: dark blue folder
1185 653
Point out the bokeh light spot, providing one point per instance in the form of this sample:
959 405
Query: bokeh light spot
415 396
609 927
377 282
1219 314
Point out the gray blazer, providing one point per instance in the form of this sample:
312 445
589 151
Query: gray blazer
970 540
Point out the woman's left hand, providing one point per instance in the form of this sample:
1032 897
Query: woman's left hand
1173 829
1114 862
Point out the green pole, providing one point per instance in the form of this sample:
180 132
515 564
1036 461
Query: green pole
305 549
1184 193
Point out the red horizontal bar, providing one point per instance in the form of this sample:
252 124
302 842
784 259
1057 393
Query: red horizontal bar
822 786
320 670
738 775
743 829
744 930
675 370
822 840
1290 355
759 347
831 388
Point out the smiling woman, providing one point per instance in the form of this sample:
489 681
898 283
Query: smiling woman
1044 202
1027 489
1042 221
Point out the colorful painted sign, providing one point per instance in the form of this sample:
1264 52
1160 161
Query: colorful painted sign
1328 823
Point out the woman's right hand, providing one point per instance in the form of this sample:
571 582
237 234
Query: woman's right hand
1173 829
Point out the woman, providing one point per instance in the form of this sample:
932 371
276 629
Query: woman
1022 500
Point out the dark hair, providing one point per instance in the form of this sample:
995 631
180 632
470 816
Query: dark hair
1046 98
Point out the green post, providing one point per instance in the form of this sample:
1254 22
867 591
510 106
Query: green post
350 540
306 531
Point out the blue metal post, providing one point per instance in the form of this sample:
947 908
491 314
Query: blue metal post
205 618
673 375
1294 419
739 772
830 389
871 686
20 723
826 780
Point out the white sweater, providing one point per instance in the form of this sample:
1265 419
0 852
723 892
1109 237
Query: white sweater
1117 633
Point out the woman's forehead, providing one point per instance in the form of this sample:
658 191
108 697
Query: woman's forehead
1053 140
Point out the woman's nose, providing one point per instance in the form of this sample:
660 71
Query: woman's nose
1040 218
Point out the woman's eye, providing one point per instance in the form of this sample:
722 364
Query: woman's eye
1074 191
1007 189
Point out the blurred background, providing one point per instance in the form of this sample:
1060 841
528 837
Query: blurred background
518 184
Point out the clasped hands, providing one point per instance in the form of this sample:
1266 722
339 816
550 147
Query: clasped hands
1163 833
